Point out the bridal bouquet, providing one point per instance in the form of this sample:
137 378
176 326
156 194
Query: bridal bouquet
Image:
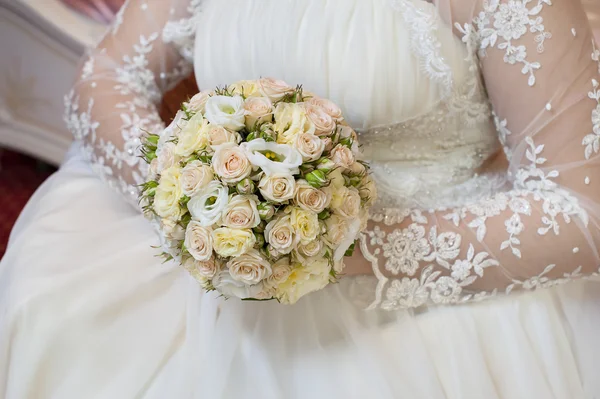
258 190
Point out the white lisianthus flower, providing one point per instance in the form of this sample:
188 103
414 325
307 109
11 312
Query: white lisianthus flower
274 89
193 136
250 268
310 146
208 204
230 287
233 242
277 188
323 122
310 198
290 121
280 234
349 238
241 212
305 224
282 159
168 194
258 110
230 162
194 176
226 111
311 276
198 241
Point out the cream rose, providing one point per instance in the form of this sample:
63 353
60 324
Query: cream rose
309 146
250 268
193 136
165 157
198 241
241 212
168 194
329 107
230 163
194 176
305 224
258 110
218 135
310 198
304 279
290 121
324 124
353 229
280 272
368 191
230 287
232 242
337 228
280 234
346 202
172 230
208 204
245 88
311 249
277 188
274 89
342 156
202 271
226 111
198 102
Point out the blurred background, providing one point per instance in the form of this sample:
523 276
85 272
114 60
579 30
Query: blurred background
41 42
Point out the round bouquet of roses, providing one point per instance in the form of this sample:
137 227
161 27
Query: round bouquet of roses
258 190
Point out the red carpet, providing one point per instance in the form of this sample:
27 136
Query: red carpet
20 176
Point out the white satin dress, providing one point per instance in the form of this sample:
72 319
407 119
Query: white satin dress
89 311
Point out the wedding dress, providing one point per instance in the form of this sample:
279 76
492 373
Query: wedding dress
89 311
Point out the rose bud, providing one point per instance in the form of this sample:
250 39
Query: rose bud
325 164
260 240
316 178
266 210
246 186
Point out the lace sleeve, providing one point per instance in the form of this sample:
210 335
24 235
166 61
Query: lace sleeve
541 72
144 53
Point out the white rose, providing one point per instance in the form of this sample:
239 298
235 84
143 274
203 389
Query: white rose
277 188
208 204
311 248
280 272
310 146
202 271
218 135
368 191
353 230
226 111
193 136
241 212
165 157
250 268
174 128
231 163
258 110
198 241
232 242
230 287
198 102
324 124
337 228
274 89
328 106
346 202
245 88
172 230
310 277
310 198
290 121
305 224
284 159
342 156
168 194
194 176
280 234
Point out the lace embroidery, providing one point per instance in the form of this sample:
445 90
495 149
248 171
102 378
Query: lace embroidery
592 140
182 33
501 24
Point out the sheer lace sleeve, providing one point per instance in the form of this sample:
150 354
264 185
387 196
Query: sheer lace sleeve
541 72
146 51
